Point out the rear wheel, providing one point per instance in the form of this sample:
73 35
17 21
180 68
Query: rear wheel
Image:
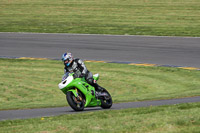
76 103
106 102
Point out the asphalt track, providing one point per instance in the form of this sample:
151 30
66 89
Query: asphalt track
32 113
175 51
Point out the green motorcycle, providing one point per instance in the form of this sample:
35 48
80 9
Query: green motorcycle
80 94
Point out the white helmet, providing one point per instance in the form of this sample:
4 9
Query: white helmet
67 58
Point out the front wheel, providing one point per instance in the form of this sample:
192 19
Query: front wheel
76 103
106 102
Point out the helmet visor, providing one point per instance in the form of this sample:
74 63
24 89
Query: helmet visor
66 61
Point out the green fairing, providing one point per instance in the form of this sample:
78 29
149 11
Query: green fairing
85 88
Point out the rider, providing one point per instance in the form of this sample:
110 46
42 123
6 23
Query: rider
77 66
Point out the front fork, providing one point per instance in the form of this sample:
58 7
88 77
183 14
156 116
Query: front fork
78 97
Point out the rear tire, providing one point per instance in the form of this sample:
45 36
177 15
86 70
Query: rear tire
106 103
77 105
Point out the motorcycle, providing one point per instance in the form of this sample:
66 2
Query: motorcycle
80 94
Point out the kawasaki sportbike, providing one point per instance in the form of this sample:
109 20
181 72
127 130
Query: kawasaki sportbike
80 94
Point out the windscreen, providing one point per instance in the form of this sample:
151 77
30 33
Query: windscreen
65 76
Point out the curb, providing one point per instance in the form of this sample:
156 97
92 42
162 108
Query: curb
146 64
129 63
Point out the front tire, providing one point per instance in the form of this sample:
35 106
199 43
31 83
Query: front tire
74 102
106 102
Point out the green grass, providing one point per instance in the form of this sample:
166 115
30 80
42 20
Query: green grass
182 118
34 83
133 17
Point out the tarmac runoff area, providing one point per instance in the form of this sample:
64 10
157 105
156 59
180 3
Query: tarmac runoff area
46 112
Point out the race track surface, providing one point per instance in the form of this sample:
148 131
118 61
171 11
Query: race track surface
31 113
177 51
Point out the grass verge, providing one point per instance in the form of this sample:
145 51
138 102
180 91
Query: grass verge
182 118
132 17
34 83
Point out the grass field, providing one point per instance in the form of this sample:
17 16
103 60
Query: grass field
182 118
132 17
34 83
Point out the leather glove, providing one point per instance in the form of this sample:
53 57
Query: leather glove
75 75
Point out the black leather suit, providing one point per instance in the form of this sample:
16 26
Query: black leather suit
78 67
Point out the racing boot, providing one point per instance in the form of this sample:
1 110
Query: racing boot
99 91
98 88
